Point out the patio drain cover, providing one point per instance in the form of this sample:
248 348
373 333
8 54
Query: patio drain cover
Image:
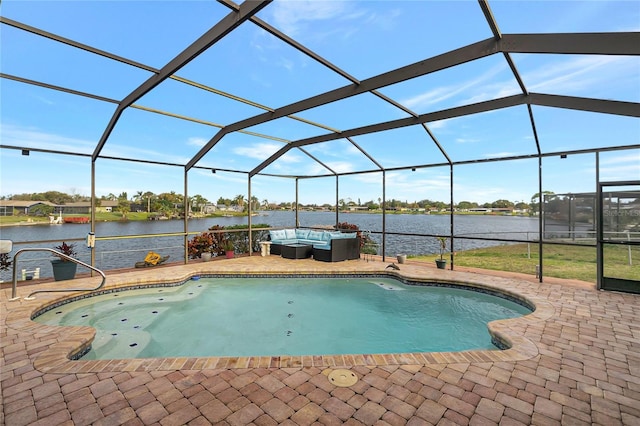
343 378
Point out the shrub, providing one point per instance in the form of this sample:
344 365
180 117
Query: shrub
203 243
240 240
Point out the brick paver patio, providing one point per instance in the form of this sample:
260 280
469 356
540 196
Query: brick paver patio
575 361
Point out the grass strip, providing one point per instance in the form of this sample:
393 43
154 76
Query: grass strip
561 261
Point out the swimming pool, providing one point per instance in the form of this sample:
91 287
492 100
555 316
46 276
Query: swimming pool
278 316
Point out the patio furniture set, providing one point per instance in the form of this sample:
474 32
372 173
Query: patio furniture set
325 246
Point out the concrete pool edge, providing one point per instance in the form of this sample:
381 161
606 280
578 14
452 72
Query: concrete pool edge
71 340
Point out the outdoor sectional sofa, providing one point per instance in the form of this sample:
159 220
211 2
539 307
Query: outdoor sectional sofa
328 246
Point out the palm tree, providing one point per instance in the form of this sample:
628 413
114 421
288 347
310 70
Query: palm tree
536 200
124 207
199 201
255 203
148 195
239 201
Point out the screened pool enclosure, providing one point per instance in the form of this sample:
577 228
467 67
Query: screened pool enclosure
335 101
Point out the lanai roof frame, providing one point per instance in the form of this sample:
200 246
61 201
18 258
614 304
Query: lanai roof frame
620 43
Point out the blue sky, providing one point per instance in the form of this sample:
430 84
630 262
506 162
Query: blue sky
362 38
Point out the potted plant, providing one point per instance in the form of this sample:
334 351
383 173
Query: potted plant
442 263
228 249
63 268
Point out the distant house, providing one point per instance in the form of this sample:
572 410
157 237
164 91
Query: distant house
209 208
108 206
84 207
134 207
81 207
11 207
503 210
224 208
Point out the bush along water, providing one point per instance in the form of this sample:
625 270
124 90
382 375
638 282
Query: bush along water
205 242
217 240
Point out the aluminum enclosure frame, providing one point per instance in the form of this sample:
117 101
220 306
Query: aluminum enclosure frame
623 43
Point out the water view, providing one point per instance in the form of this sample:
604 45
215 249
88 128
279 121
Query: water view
123 253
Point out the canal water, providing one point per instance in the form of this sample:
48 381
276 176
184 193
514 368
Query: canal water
123 253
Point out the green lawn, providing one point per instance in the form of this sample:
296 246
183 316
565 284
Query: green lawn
560 261
12 220
100 217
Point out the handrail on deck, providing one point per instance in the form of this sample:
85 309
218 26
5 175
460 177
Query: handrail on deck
14 289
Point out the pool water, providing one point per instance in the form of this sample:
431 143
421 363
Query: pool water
285 316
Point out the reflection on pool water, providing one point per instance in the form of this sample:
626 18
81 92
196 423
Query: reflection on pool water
285 316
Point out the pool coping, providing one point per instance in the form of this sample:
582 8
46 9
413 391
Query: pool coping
69 341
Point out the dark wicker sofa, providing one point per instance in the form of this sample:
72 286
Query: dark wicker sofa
341 249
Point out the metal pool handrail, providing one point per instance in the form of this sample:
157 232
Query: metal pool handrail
14 289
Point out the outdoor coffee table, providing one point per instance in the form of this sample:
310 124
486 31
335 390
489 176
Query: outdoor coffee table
296 251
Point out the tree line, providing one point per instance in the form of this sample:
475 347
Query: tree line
171 203
167 203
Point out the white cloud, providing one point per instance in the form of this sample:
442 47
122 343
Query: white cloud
290 158
409 181
387 21
260 151
313 169
340 166
631 157
622 167
286 63
467 140
442 93
369 178
620 173
336 149
499 154
428 98
495 90
288 163
33 138
577 73
440 124
195 141
130 151
42 99
294 16
573 74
